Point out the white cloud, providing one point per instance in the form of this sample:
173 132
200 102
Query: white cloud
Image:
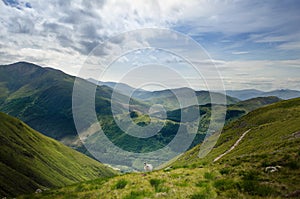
240 52
62 33
290 46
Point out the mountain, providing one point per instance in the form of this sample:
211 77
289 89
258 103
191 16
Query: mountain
244 94
122 88
283 93
252 93
30 160
42 97
254 103
263 164
169 100
167 97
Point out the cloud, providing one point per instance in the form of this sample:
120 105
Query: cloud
59 33
240 52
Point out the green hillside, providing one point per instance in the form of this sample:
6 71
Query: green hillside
42 97
273 140
30 160
269 126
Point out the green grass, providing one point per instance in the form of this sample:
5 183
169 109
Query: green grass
30 160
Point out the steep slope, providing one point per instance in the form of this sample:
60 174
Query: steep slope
30 160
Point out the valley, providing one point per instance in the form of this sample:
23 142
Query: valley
242 173
42 98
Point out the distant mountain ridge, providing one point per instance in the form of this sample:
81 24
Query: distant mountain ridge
122 88
252 93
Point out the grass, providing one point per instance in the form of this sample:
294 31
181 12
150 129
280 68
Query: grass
30 160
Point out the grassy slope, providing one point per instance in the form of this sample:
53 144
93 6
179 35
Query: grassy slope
30 160
273 140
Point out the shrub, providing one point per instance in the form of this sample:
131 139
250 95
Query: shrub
225 184
225 171
252 187
137 195
120 184
199 196
209 176
249 175
158 185
202 183
293 164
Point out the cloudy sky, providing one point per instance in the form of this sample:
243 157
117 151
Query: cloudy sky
253 44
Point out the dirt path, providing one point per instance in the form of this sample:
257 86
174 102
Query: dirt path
235 144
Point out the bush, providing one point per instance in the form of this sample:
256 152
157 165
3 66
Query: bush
202 183
249 175
158 185
293 164
225 171
207 193
199 196
120 184
137 195
209 176
252 187
225 184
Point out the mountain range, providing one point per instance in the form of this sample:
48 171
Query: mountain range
42 97
252 93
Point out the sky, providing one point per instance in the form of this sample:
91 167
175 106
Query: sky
247 44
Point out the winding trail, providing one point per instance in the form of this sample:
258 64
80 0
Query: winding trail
235 144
